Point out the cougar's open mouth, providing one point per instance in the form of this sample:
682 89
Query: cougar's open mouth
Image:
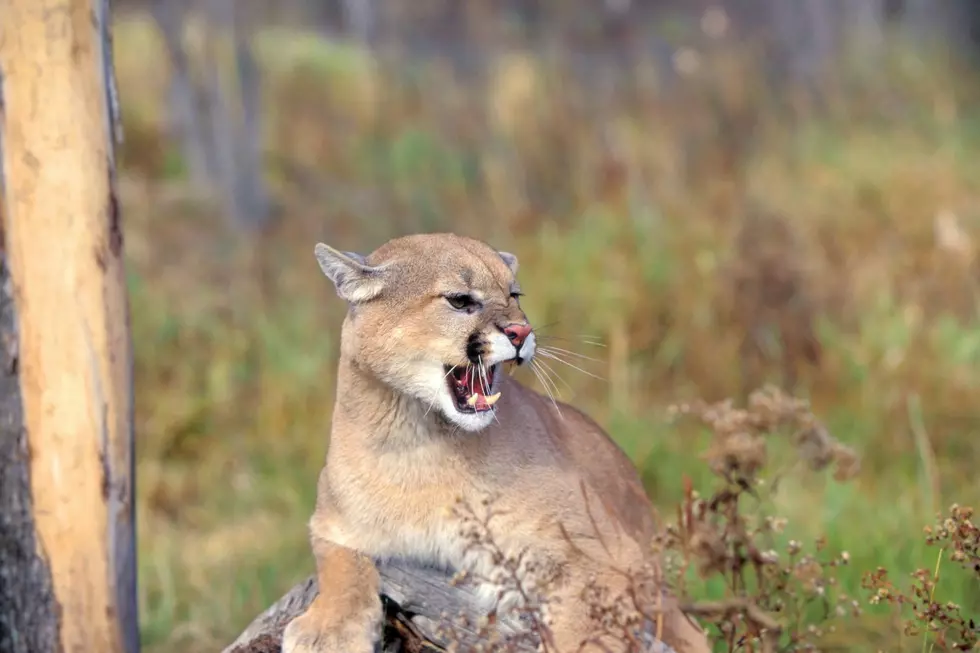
471 389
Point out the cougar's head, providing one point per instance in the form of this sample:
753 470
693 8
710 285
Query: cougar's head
434 316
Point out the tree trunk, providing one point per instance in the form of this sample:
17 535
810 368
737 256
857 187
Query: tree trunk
28 613
64 247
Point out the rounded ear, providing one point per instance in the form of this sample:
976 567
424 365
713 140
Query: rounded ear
510 260
354 280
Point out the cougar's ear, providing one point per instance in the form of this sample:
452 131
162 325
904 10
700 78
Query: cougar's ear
510 260
355 280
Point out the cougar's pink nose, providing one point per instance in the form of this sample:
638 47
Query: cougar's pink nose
517 333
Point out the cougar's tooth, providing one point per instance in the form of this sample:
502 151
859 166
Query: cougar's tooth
492 399
473 398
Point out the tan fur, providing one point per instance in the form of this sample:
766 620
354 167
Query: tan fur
398 459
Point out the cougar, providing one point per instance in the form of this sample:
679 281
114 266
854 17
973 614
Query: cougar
426 415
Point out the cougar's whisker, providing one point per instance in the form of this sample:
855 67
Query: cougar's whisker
486 386
545 385
544 337
568 352
554 357
555 374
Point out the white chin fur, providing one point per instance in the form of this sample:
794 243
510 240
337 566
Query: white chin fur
471 422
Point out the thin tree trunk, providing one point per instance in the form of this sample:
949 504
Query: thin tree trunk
185 103
235 120
64 246
250 189
359 20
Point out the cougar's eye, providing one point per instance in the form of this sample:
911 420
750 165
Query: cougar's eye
463 302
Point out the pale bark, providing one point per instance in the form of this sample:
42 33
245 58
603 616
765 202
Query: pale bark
64 245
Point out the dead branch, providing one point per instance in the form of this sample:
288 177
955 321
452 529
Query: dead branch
417 599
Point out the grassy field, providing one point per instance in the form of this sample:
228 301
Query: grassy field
639 224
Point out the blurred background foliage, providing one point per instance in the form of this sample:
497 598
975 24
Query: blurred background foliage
704 196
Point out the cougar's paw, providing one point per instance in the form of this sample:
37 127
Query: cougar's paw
317 631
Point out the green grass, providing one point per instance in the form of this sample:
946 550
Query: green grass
236 344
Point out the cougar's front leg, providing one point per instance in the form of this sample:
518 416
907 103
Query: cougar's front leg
346 615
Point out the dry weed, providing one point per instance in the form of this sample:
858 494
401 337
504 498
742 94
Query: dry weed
777 597
942 625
